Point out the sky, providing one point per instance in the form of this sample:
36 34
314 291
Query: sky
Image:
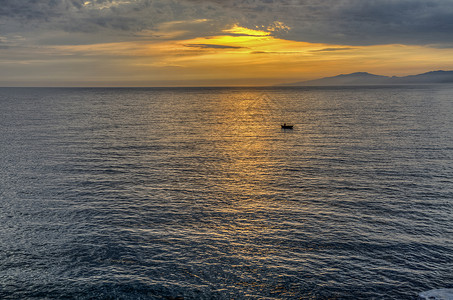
218 42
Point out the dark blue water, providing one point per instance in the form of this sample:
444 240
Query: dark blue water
199 194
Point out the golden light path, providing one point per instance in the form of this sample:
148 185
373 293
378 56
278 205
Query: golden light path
247 56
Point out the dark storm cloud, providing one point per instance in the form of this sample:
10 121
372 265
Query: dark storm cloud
358 22
107 19
74 15
346 22
36 9
392 21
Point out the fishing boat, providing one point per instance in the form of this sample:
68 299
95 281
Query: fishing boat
286 126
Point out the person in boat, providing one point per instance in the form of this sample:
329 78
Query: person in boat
284 126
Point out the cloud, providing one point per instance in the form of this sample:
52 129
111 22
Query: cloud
78 15
391 21
9 41
237 30
333 49
213 46
95 21
185 29
344 22
348 22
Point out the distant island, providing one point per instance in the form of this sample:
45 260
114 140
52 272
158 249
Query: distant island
364 78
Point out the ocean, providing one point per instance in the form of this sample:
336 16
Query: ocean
198 193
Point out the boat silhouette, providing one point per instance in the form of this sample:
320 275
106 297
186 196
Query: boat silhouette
286 126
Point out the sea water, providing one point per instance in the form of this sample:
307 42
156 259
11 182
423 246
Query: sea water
198 193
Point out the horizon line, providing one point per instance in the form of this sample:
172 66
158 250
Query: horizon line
281 84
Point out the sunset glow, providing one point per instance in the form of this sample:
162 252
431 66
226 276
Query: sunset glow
200 51
240 53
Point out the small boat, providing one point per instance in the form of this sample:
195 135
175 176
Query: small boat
285 126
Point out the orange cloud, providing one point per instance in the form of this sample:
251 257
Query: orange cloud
239 52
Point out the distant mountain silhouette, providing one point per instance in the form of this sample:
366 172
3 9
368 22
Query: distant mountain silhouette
364 78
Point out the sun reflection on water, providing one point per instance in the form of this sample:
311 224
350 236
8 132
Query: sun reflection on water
244 142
